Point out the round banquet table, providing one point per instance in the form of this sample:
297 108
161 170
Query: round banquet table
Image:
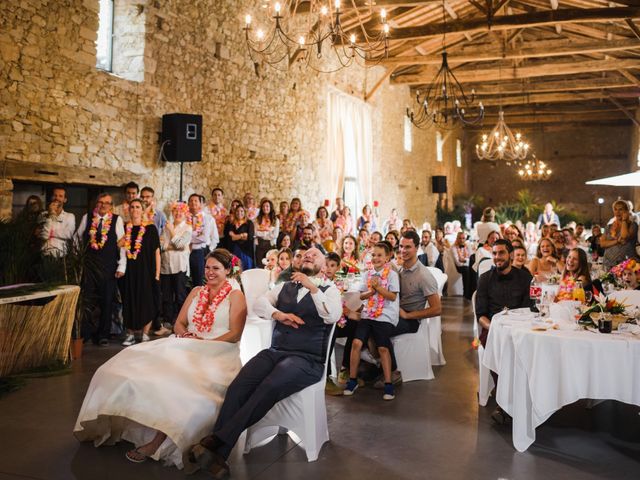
542 371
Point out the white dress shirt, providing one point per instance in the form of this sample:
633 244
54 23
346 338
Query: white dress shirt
205 237
122 259
175 249
328 303
56 231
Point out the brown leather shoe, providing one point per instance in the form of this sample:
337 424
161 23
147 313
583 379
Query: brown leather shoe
201 457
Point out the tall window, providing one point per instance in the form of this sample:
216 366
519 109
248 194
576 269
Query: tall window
408 139
439 145
458 153
104 43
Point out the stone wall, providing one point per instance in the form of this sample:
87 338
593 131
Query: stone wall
575 156
264 134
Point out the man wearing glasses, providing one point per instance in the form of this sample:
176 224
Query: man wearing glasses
100 233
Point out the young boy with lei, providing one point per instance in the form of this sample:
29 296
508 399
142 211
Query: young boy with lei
380 289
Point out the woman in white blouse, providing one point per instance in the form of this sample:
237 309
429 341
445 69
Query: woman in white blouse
266 229
174 264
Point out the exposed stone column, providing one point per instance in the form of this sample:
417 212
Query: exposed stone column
6 197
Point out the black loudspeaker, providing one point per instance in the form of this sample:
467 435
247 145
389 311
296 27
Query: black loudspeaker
439 184
182 137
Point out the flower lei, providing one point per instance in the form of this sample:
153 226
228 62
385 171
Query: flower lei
138 243
375 303
104 231
205 313
628 264
350 264
199 220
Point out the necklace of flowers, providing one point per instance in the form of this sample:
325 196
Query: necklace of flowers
205 313
375 304
265 224
106 226
138 243
199 220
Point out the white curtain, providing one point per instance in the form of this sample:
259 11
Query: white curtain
349 142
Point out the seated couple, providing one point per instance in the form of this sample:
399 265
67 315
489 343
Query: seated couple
166 395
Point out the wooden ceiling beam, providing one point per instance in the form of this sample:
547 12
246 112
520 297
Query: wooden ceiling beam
534 98
483 89
537 50
541 70
525 20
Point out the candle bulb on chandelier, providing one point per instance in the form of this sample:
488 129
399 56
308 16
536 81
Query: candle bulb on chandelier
353 39
337 4
324 10
383 14
301 41
260 34
247 20
385 28
277 8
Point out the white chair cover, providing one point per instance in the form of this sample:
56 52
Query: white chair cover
435 323
484 266
485 380
455 285
628 297
413 355
302 415
257 331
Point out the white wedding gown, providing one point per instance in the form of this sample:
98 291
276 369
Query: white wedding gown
174 385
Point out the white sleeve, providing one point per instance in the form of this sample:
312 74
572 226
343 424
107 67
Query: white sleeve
81 228
214 237
265 305
328 304
122 260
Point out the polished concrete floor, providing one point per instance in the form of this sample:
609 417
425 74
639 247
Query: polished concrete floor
432 430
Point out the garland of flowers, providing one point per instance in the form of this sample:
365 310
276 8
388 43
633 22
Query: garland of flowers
205 313
138 243
199 220
104 231
350 264
375 303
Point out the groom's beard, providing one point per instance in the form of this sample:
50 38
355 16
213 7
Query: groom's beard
310 271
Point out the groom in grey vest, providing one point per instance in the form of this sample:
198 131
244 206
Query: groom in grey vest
304 310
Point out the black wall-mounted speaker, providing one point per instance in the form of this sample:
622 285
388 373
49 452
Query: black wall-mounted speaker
439 184
182 137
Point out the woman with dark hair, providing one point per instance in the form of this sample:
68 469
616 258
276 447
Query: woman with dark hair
266 227
284 241
295 219
141 281
393 239
576 270
240 237
349 254
367 217
322 224
140 395
33 207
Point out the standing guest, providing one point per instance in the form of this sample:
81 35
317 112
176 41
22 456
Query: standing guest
33 208
548 217
461 256
407 224
392 223
378 319
151 214
323 225
131 191
545 262
240 237
308 240
57 225
594 242
419 298
267 228
303 314
393 238
218 211
500 287
249 203
101 232
339 209
487 224
345 221
620 236
579 233
202 225
283 211
284 241
367 217
175 242
520 257
530 234
294 220
430 254
141 282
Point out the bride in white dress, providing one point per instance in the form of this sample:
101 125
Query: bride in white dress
164 396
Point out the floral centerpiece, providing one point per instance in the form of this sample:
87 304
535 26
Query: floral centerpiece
602 304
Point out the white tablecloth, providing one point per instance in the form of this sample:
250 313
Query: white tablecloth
540 372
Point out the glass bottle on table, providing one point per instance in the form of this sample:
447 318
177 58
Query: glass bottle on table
535 294
578 292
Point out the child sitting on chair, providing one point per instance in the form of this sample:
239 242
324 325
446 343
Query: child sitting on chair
379 315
